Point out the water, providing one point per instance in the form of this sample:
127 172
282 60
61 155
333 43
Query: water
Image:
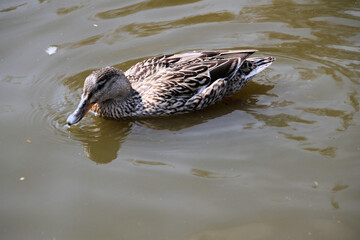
278 161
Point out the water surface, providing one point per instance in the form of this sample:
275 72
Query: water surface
281 160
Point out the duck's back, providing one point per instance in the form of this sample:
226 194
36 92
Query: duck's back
190 81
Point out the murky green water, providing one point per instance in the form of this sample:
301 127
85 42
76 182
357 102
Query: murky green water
280 161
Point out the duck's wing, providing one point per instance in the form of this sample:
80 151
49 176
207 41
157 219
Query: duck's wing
145 69
148 67
192 77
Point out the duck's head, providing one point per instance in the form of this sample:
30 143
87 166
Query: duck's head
100 86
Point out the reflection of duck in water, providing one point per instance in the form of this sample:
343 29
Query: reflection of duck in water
102 141
167 85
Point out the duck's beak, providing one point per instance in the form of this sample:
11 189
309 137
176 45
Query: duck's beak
79 113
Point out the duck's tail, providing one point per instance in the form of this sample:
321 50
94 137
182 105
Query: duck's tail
253 66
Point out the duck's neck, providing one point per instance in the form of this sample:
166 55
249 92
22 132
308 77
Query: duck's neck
120 108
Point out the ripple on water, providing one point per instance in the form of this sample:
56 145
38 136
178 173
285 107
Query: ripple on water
12 8
138 7
50 104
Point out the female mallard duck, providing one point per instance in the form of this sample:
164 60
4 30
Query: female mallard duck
169 84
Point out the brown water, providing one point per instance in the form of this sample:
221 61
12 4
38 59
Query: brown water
279 161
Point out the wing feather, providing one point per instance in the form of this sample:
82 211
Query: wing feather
186 75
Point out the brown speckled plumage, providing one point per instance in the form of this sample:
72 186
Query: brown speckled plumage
168 84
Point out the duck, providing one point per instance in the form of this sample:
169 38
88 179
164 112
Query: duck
168 84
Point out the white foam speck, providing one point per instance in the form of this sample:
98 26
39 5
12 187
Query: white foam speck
51 50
